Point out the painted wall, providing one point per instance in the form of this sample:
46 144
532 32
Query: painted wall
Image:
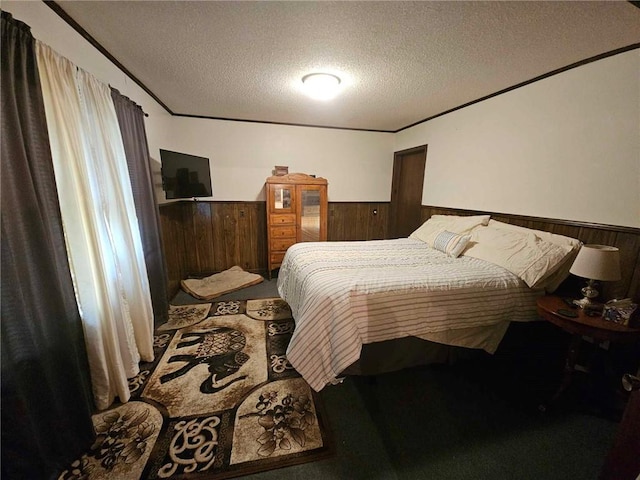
566 147
358 165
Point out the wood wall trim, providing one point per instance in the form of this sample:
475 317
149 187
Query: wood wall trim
580 63
98 46
78 28
555 221
191 201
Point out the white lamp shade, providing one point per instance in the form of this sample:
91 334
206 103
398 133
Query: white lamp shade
597 262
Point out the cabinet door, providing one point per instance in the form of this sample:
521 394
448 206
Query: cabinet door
282 198
312 213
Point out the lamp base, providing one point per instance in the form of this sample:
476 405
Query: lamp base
583 302
589 293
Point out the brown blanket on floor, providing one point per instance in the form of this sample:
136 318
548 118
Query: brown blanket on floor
220 283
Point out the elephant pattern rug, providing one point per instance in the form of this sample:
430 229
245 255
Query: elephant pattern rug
220 400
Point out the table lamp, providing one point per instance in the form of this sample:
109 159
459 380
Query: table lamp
595 262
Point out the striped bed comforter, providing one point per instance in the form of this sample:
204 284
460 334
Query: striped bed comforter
346 294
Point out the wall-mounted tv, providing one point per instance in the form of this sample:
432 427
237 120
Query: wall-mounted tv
185 176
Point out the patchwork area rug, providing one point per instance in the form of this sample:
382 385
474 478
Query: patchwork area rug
220 401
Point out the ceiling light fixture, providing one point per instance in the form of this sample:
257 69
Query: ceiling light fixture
321 86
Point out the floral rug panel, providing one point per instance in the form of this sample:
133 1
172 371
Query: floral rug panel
181 316
125 437
268 309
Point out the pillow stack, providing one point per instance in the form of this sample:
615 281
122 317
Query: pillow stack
541 259
452 223
448 233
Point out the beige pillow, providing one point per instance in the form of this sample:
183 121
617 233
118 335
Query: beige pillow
548 236
523 254
451 223
554 279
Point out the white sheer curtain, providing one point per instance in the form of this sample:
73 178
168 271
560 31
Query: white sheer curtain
100 224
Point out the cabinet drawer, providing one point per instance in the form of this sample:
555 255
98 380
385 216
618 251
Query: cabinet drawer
280 232
283 219
276 259
281 243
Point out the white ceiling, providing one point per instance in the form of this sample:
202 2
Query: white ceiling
400 62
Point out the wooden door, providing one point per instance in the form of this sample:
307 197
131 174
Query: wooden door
406 191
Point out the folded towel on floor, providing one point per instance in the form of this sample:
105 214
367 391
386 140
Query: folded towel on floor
220 283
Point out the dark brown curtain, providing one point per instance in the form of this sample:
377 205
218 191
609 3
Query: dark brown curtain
46 391
134 137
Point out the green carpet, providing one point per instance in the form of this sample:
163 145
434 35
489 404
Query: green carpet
470 421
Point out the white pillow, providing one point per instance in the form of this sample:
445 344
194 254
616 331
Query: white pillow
450 243
452 223
523 254
554 279
461 223
548 236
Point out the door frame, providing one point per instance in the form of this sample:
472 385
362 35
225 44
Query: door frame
396 187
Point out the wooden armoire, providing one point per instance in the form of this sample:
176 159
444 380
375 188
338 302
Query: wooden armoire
296 212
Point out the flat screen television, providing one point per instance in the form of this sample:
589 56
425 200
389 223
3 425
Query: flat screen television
185 176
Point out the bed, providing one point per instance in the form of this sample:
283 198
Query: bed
348 295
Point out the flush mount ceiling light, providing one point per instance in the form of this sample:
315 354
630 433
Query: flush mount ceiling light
321 86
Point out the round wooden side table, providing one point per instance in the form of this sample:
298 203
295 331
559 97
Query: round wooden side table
582 325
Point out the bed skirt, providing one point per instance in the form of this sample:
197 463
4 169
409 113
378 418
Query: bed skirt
406 352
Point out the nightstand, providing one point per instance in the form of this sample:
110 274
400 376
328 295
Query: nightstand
582 325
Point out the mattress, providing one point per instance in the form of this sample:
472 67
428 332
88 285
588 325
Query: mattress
347 294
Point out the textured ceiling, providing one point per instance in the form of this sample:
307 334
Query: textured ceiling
400 62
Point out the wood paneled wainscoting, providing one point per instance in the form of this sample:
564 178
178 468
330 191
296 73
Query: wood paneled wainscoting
204 237
201 238
358 221
173 242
